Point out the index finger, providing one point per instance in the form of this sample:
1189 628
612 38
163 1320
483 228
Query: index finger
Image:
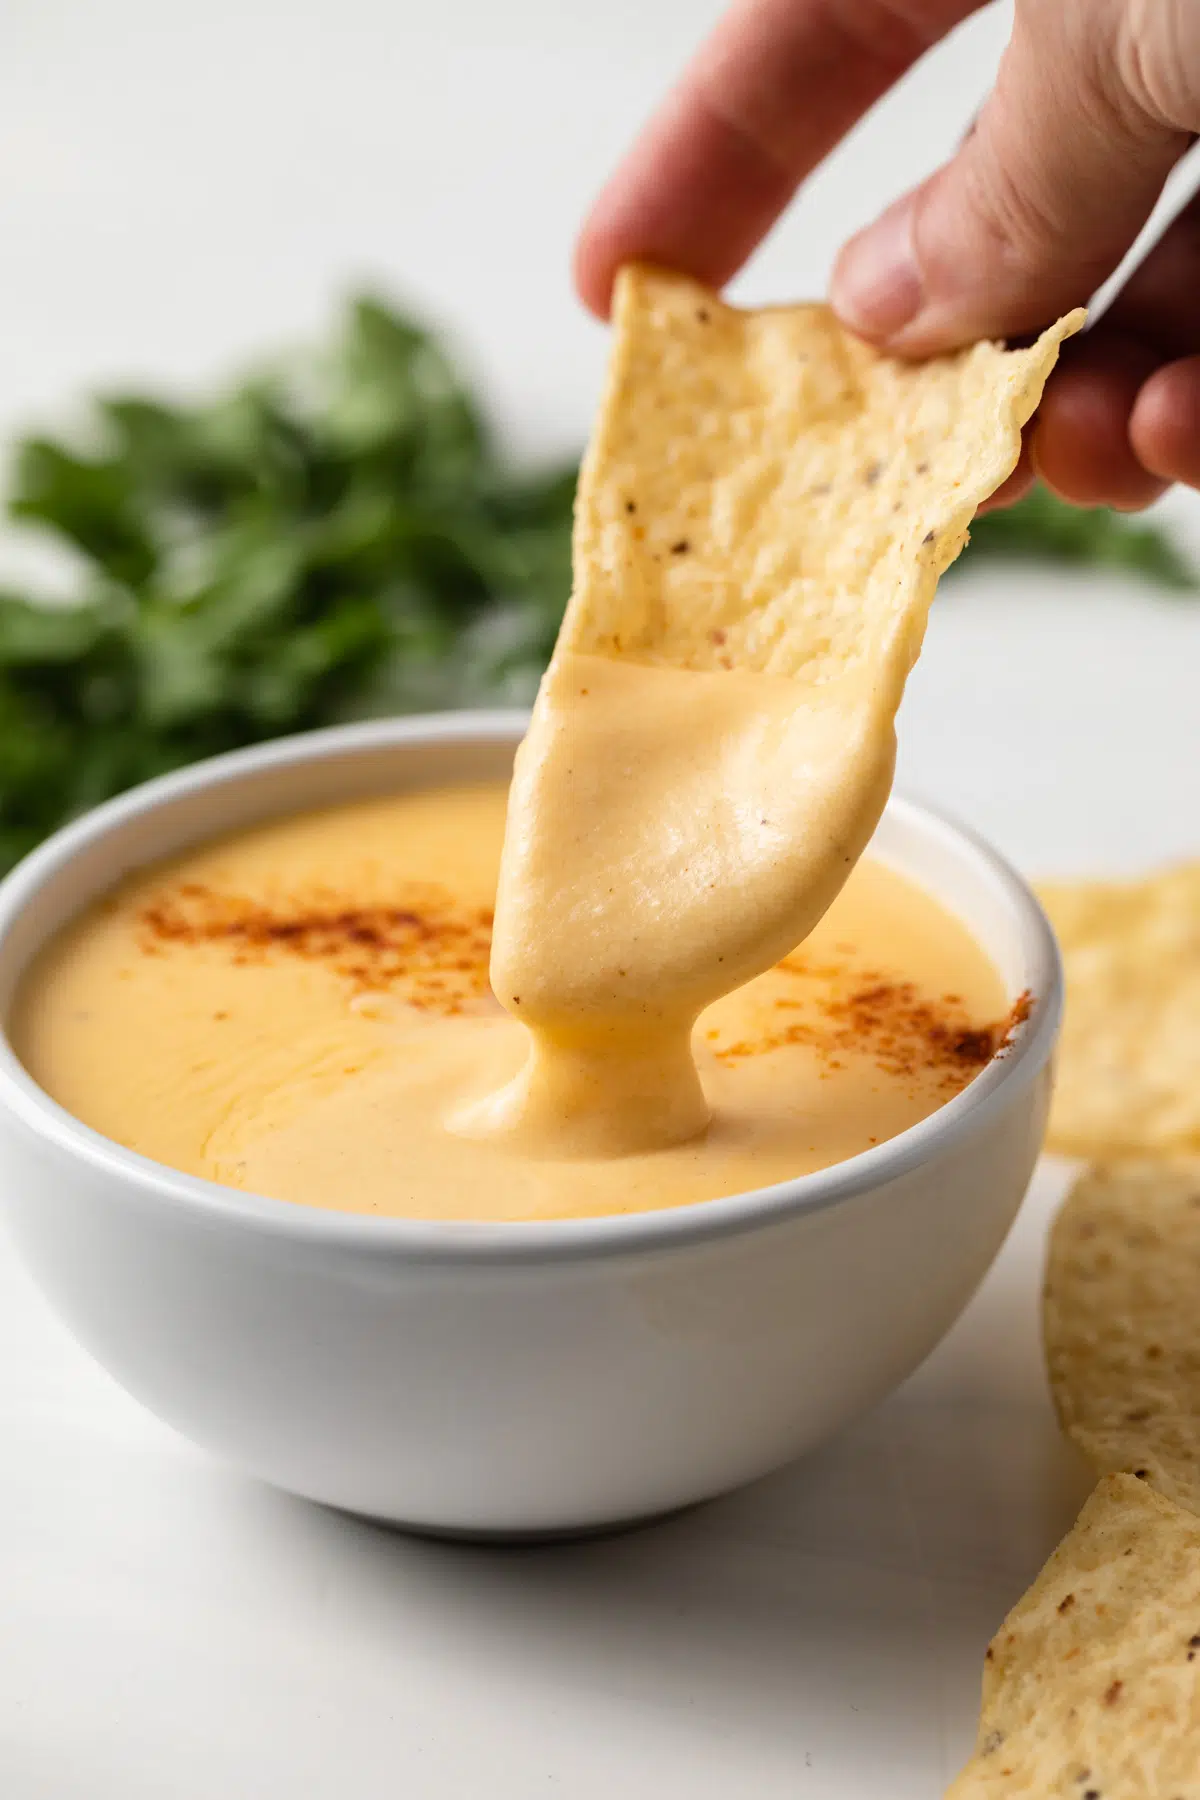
775 87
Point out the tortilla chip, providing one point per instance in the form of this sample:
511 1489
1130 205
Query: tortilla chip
1129 1064
1091 1688
1121 1320
765 491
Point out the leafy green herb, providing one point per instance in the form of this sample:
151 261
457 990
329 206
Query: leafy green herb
1044 529
337 537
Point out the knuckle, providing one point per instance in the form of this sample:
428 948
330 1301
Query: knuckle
893 32
1016 221
1157 60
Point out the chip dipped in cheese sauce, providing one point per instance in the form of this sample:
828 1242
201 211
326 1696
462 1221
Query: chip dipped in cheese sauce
763 515
702 987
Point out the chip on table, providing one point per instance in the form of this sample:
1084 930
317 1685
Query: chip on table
1129 1063
1121 1321
1091 1687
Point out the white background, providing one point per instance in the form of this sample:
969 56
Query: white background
179 188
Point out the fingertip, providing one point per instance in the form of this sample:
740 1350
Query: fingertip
694 193
875 287
594 270
1152 491
1080 444
1164 427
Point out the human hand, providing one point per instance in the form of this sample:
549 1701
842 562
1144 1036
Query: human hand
1094 103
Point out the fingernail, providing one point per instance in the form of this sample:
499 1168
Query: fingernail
876 286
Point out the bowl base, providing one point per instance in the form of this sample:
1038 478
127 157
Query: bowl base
520 1539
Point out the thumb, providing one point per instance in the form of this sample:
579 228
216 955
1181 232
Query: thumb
1039 205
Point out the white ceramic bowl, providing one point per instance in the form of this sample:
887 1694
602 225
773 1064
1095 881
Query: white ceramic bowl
524 1378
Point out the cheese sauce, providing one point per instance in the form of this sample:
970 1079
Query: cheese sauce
304 1011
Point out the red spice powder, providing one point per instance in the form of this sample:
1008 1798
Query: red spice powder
433 952
903 1031
423 944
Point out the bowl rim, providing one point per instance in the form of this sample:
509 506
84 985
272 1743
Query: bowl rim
458 1242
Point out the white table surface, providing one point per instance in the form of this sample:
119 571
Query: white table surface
177 186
